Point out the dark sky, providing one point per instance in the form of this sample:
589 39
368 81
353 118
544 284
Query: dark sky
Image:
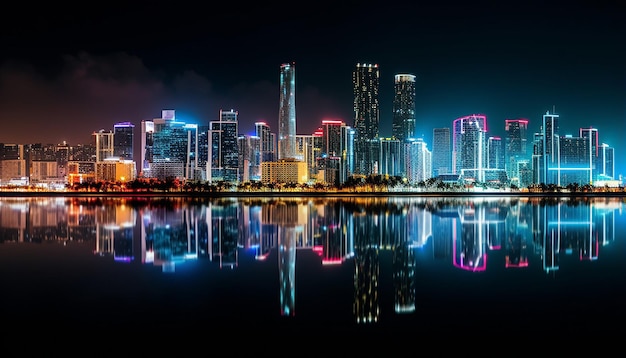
69 70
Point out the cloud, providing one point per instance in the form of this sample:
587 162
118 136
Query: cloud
89 93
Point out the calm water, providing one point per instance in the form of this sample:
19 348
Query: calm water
316 268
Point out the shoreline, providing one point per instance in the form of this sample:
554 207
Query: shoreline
17 194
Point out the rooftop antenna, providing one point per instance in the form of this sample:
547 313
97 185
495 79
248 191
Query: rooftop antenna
553 109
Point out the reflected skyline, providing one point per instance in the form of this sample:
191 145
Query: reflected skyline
471 234
464 231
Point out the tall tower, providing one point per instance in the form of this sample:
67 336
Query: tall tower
287 112
223 163
104 144
365 81
593 148
442 152
550 130
262 130
123 137
469 146
515 146
404 107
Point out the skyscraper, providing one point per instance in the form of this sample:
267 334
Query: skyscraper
469 146
365 82
169 148
593 147
550 147
123 136
515 146
223 164
287 112
442 152
262 130
104 142
404 107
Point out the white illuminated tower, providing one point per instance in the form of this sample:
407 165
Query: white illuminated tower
404 107
287 112
550 148
365 84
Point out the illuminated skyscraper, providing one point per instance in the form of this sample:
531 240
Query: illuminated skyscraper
404 107
606 163
347 153
515 146
550 147
495 153
104 144
442 151
223 148
329 160
573 165
390 157
593 148
469 146
249 158
365 81
169 148
287 112
267 141
418 161
123 136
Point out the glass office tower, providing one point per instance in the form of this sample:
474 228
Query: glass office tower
287 112
365 81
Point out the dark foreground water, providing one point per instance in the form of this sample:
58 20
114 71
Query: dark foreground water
359 273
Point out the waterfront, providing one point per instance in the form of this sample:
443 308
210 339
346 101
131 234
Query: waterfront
380 267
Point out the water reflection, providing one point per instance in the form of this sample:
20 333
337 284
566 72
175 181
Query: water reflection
462 232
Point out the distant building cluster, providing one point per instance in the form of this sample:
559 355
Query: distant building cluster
337 152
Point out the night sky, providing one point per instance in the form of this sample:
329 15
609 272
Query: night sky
69 70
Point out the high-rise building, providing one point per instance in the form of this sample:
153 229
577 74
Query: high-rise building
308 149
12 162
329 159
169 148
573 165
389 157
249 158
365 82
267 139
403 127
469 146
147 143
550 147
104 142
515 146
62 156
606 162
203 150
223 148
538 159
495 153
347 153
419 161
123 137
593 147
494 171
287 112
442 152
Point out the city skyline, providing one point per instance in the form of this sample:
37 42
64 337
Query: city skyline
89 72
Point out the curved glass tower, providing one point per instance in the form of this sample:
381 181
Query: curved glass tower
287 112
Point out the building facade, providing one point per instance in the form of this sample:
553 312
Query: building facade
287 112
365 82
403 126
